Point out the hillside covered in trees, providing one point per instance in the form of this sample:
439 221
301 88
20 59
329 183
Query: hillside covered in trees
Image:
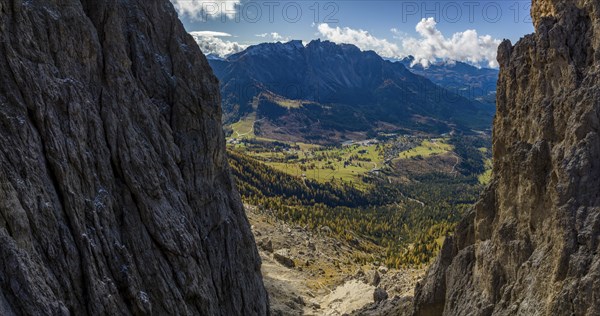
408 220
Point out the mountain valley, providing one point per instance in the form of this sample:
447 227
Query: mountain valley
389 191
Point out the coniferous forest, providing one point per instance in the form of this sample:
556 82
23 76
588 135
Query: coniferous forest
408 220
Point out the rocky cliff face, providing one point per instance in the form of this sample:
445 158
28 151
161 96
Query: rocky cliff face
115 194
531 244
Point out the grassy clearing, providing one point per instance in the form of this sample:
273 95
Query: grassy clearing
486 177
427 148
283 102
347 164
306 147
340 164
244 128
290 104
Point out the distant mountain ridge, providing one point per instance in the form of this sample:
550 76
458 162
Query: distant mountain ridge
464 79
324 89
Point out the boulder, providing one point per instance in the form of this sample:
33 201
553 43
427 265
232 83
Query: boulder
379 295
282 256
372 277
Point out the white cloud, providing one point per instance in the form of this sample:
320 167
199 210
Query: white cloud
465 46
210 33
274 36
207 9
210 43
397 34
362 39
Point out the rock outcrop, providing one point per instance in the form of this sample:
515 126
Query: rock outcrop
531 244
115 193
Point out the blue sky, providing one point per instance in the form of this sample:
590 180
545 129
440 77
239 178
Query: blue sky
459 30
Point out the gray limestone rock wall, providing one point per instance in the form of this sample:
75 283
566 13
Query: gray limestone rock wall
115 193
531 244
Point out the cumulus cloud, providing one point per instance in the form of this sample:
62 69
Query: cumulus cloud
465 46
273 36
276 36
211 43
206 9
361 38
432 45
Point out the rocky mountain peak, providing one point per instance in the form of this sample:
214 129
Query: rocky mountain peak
562 10
541 9
295 43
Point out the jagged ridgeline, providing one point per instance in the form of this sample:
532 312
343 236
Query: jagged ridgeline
115 194
530 246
